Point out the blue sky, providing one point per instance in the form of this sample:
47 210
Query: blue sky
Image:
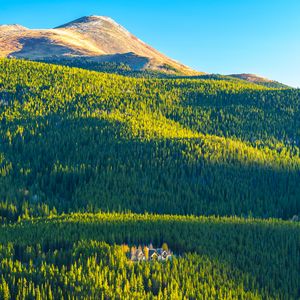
215 36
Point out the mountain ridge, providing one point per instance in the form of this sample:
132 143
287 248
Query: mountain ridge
257 79
97 41
89 37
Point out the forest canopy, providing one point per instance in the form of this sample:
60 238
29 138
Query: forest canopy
92 163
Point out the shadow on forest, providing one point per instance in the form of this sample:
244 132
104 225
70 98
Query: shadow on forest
80 163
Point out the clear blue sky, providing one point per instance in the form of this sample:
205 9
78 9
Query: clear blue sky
215 36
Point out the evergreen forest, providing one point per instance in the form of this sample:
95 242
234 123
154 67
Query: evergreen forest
93 162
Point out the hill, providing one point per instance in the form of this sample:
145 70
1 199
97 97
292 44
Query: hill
259 80
75 139
97 39
94 164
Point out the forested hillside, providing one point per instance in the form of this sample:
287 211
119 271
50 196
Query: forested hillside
92 161
74 139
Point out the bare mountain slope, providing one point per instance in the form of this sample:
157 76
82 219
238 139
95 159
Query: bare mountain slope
259 80
95 37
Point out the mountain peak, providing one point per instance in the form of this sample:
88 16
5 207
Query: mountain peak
88 20
98 38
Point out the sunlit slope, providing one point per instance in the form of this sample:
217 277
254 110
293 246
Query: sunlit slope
232 258
75 139
94 38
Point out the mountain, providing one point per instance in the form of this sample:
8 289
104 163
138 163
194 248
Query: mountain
259 80
95 38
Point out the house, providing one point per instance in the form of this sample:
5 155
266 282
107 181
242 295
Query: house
140 255
163 254
137 254
150 254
